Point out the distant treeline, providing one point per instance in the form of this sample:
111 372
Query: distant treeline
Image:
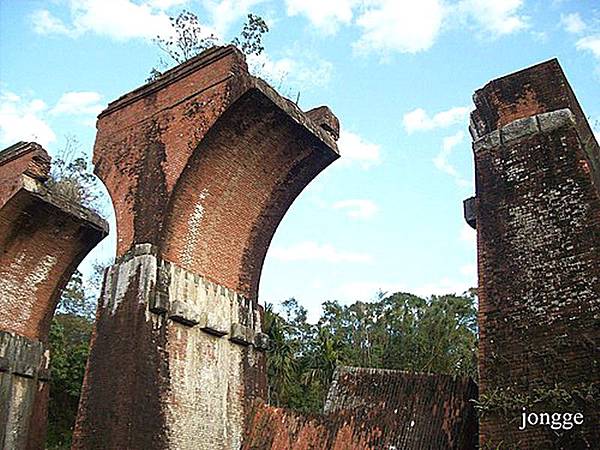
400 331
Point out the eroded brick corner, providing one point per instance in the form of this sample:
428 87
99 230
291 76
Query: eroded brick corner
43 238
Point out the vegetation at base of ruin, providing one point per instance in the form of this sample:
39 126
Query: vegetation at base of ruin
69 347
558 397
71 176
400 331
496 446
70 334
189 39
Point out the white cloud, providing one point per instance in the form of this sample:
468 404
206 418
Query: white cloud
265 67
367 290
404 26
324 15
469 270
290 74
45 23
448 144
78 103
128 19
225 13
441 160
573 23
591 44
357 208
539 36
166 4
355 149
409 26
28 119
117 19
496 17
458 284
23 120
312 251
419 120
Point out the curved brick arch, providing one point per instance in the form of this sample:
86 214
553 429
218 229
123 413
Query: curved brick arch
201 166
41 248
236 188
43 238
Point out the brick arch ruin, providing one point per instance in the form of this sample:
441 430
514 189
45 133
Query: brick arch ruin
43 238
201 166
236 188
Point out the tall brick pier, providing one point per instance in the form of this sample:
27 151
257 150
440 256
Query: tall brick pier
43 238
537 214
201 165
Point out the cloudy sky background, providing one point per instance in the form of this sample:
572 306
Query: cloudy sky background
398 74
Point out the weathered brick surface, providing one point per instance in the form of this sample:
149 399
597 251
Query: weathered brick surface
538 231
24 372
43 238
201 166
208 154
375 409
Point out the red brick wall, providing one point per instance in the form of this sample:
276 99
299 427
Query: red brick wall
246 172
369 409
208 193
202 164
43 238
145 139
538 228
40 249
21 158
42 241
123 397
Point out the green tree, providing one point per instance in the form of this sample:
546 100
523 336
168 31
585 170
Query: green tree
188 39
69 343
250 39
74 301
71 176
70 333
281 368
399 331
436 335
72 324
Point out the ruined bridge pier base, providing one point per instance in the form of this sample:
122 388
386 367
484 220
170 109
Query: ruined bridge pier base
537 214
201 165
43 238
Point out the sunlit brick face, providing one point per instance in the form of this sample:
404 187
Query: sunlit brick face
43 238
201 166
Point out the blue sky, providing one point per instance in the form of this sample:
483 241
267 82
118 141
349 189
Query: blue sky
398 74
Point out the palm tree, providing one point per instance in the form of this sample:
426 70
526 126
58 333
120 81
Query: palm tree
281 357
